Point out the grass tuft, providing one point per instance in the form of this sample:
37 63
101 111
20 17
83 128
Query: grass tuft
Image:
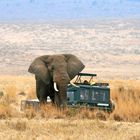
125 93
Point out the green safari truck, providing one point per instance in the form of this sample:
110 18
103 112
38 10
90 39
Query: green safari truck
86 92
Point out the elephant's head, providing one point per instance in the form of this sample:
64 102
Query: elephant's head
57 68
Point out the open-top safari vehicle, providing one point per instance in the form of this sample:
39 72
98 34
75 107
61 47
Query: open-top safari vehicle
85 92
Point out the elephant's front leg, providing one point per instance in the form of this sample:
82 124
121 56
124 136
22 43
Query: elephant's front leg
41 90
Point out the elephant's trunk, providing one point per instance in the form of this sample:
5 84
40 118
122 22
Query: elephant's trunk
62 94
61 80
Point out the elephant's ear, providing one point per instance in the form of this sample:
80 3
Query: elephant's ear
74 65
39 68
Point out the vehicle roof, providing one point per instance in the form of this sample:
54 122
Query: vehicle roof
80 86
92 86
86 74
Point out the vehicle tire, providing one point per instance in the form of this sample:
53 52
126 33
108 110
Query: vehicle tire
112 105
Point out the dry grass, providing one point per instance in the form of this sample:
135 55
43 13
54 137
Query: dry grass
125 93
67 129
52 123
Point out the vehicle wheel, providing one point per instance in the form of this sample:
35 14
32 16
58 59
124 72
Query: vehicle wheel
112 105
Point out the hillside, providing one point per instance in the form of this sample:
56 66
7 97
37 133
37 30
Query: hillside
109 48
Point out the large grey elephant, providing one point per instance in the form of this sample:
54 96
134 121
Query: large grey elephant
53 73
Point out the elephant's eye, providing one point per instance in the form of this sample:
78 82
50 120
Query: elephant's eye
52 67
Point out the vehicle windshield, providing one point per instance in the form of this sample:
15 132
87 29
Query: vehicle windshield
84 78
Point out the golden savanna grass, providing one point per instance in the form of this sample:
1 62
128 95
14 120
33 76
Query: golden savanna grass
65 129
125 94
52 123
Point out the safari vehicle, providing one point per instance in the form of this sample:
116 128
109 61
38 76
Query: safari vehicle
86 92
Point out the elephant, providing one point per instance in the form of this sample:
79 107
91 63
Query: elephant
53 73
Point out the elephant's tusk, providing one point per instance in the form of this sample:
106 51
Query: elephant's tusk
73 84
55 87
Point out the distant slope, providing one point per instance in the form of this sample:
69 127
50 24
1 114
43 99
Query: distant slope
106 47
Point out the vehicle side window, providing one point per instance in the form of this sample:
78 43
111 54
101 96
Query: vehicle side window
98 95
84 93
102 95
94 95
70 95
